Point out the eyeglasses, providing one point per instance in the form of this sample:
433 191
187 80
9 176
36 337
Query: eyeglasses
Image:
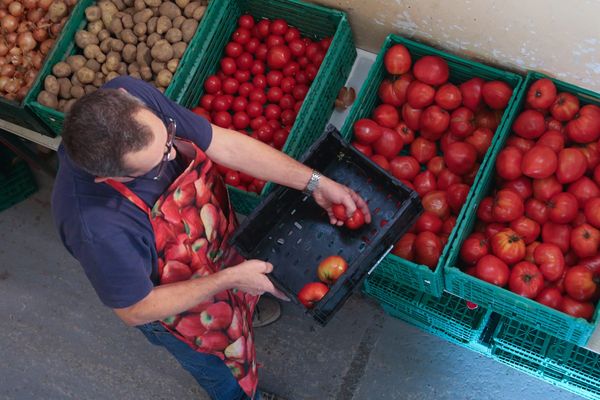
171 126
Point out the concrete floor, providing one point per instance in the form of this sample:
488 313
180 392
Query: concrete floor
58 342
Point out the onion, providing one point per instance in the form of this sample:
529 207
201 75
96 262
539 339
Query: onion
35 15
26 41
25 26
8 70
30 4
29 76
36 59
55 29
5 3
40 34
46 46
9 23
22 92
15 9
3 81
3 61
11 38
12 86
3 48
45 4
3 12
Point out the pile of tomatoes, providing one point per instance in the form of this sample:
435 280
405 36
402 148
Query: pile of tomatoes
432 135
539 232
264 76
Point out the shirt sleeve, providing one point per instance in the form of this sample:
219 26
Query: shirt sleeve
119 268
189 125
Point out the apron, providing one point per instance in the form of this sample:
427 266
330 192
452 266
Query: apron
192 222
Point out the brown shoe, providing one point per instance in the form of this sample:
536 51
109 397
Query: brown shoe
267 311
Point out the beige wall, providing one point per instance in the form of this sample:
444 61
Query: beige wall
558 37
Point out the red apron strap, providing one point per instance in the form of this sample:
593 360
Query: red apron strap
128 193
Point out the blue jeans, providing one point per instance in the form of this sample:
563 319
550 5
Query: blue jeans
208 370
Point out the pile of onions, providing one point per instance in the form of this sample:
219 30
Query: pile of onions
28 30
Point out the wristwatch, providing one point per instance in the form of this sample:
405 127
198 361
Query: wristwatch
312 184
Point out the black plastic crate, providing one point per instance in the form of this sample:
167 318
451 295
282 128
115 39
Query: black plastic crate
292 232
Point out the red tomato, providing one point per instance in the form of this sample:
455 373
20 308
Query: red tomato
536 210
481 139
508 246
405 167
585 126
428 249
553 139
419 95
526 228
526 280
252 45
530 124
493 228
572 165
489 119
558 234
367 131
278 56
400 87
474 248
585 240
565 107
592 212
551 297
597 174
447 139
436 165
411 116
460 157
386 115
550 259
434 121
297 47
232 178
423 150
539 162
507 206
388 95
228 65
436 202
522 186
448 225
246 21
545 189
424 183
522 144
471 93
485 210
508 163
577 309
462 122
541 94
397 60
457 195
493 270
496 94
240 120
405 247
446 178
272 112
389 144
580 283
530 250
381 161
432 70
222 119
356 221
278 27
562 208
448 97
428 221
312 293
212 84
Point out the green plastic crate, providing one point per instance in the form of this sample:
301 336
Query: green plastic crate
447 317
65 46
313 21
408 273
547 357
16 179
502 301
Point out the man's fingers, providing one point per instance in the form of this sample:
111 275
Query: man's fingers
268 267
279 294
362 205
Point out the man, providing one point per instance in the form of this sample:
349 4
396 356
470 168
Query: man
138 203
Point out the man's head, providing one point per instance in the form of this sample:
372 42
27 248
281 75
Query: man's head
110 133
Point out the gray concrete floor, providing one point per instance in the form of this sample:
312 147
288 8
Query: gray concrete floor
58 342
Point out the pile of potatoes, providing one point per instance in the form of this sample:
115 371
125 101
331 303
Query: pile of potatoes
141 38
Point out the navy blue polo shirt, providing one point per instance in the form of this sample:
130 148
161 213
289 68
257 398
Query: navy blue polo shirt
110 236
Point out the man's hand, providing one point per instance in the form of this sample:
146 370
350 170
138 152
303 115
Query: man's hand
251 277
330 192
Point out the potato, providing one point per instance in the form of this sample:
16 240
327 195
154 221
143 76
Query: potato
199 13
142 38
61 70
89 89
146 73
86 75
65 87
104 69
188 11
103 35
142 16
172 65
179 49
98 79
57 11
139 30
76 62
108 11
157 66
173 35
133 67
84 38
153 3
116 45
129 52
112 61
116 26
151 25
93 13
164 78
188 29
143 56
93 65
135 74
68 105
128 3
120 4
182 3
127 36
77 91
163 24
169 9
139 5
91 51
95 27
160 89
152 39
122 68
75 81
127 21
162 51
111 75
61 105
47 99
51 85
105 45
177 22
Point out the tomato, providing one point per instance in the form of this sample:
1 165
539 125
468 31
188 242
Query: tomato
411 116
424 183
530 250
545 189
508 246
460 157
423 150
462 122
471 93
434 121
240 120
388 95
457 195
419 94
496 94
367 131
386 115
536 210
526 280
522 186
300 91
526 228
331 268
405 247
312 293
562 208
508 163
577 309
436 202
520 143
550 296
488 119
507 206
565 107
585 126
432 70
592 212
404 167
551 261
493 270
212 84
389 144
446 178
356 221
553 139
381 161
558 234
436 165
397 60
580 283
541 94
278 56
592 263
539 162
428 221
481 139
246 21
484 211
597 174
530 124
585 189
222 119
265 133
428 249
585 240
448 97
474 248
407 134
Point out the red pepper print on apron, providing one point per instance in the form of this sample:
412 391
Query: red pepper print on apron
192 222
